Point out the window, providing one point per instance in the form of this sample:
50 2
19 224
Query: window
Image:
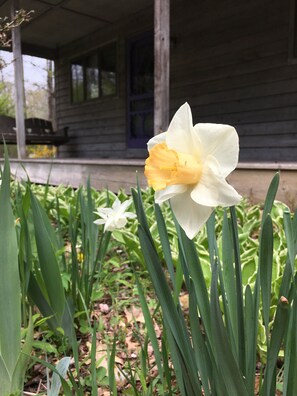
94 75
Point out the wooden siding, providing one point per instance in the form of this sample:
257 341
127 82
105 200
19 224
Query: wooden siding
230 62
228 59
97 128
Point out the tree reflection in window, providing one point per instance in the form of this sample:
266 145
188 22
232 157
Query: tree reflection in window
108 71
92 76
77 74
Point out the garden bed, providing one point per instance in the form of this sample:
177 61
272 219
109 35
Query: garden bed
100 272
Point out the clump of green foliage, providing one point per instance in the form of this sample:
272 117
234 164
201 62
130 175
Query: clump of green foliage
67 264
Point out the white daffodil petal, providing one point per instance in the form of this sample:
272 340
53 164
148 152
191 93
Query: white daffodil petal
109 225
130 215
156 140
125 205
169 192
213 190
189 214
179 133
102 215
104 211
99 221
220 141
116 204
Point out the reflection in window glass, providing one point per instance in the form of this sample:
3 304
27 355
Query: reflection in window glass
77 73
92 77
108 70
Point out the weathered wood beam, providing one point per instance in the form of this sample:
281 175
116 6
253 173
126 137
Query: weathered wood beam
162 52
19 84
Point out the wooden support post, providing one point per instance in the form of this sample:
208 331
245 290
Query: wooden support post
19 85
162 49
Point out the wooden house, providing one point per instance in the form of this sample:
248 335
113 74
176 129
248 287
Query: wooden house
123 67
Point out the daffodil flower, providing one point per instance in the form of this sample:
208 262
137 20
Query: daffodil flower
115 217
188 165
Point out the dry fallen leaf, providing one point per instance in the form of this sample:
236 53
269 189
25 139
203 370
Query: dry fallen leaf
134 314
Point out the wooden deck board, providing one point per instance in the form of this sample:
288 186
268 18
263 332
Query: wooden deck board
250 179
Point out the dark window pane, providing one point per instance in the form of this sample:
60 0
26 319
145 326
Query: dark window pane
142 67
141 91
92 76
148 124
77 73
136 126
108 70
142 104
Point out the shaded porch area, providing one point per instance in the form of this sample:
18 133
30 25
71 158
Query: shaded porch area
250 179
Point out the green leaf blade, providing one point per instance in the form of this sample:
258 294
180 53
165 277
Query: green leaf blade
49 266
10 292
265 263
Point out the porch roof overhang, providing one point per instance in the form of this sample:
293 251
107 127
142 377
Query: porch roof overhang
56 23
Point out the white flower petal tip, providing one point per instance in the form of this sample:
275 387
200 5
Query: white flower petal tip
115 217
188 165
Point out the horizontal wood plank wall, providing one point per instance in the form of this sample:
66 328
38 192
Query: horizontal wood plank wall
229 60
97 128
